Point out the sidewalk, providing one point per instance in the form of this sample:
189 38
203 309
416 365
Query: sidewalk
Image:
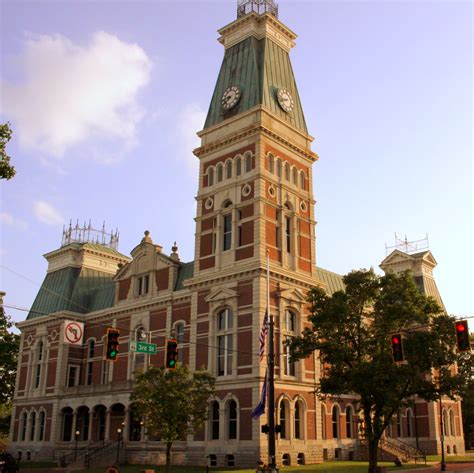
464 467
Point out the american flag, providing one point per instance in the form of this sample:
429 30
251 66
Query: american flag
263 335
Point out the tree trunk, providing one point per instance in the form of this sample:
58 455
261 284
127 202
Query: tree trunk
373 451
168 456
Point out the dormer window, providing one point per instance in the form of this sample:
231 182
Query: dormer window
143 285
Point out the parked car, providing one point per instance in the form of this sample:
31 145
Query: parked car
8 464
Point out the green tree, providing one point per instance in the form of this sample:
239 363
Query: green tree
7 171
352 331
174 403
9 347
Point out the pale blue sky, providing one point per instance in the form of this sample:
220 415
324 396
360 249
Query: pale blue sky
105 99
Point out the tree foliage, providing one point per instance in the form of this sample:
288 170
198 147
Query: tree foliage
9 346
7 171
352 331
174 403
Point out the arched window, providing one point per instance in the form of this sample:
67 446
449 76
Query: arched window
224 342
215 420
349 433
32 425
220 171
232 420
286 459
335 422
324 421
287 171
445 422
295 176
278 167
210 176
298 420
39 362
238 166
288 227
24 426
248 162
289 328
228 169
67 424
271 163
212 459
302 180
140 335
283 419
229 460
410 423
179 334
452 430
90 363
41 425
300 459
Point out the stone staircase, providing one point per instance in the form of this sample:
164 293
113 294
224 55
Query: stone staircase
402 450
95 455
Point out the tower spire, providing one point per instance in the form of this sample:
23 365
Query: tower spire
257 6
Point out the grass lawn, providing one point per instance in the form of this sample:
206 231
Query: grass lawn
328 467
450 458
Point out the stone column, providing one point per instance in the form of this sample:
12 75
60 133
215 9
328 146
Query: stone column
126 426
74 425
91 424
107 425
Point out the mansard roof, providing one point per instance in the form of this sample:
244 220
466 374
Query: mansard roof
259 67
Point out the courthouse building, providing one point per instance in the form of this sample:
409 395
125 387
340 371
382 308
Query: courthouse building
255 195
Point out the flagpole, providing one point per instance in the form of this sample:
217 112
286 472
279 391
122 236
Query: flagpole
271 381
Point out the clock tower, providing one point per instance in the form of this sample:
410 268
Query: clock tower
255 202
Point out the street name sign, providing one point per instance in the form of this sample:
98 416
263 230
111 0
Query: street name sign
143 347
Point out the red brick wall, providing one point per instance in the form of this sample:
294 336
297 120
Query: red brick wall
244 253
124 287
162 279
181 312
206 263
206 244
158 319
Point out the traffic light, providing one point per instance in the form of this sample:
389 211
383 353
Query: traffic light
171 354
397 348
112 344
462 335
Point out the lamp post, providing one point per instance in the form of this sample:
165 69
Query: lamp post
76 434
443 464
119 432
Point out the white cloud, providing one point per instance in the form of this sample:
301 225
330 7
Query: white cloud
70 94
10 220
190 120
46 213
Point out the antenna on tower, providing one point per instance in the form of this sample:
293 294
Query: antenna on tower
408 247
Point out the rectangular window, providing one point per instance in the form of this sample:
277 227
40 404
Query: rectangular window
143 285
90 367
72 376
224 355
227 241
104 378
288 368
288 233
38 375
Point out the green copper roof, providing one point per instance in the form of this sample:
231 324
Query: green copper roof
73 289
259 68
332 281
185 271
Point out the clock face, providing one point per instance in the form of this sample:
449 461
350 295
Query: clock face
230 97
285 100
